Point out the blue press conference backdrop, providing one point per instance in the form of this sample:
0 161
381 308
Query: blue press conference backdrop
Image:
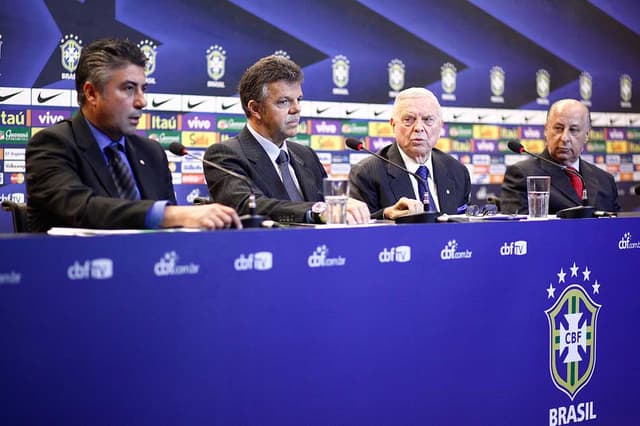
565 39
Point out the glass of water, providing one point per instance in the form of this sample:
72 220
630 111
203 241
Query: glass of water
538 196
336 193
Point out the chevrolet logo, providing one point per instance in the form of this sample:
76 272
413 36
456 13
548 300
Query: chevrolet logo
43 99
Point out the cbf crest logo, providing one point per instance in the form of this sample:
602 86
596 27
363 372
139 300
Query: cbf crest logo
625 91
396 77
340 73
216 60
282 53
497 78
70 47
448 74
149 48
573 319
543 86
585 87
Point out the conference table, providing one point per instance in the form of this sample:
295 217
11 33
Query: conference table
492 323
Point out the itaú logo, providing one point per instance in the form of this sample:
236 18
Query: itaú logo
97 269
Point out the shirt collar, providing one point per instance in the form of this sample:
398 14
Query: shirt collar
270 148
412 165
102 139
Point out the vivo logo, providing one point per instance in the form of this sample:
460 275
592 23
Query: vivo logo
197 123
49 119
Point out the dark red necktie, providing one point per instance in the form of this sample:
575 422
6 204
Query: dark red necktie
575 181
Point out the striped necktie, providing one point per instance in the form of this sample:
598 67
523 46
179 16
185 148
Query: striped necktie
423 172
121 173
290 186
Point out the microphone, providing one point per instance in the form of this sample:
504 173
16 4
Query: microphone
428 215
251 220
581 211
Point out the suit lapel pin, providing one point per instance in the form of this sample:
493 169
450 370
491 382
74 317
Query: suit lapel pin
448 191
142 162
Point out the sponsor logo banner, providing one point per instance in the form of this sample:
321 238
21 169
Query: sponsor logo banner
259 261
168 265
514 248
9 117
97 269
320 258
325 127
48 117
198 121
399 254
231 124
327 143
162 121
19 135
199 139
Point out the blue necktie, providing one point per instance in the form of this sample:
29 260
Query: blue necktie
423 172
290 186
122 177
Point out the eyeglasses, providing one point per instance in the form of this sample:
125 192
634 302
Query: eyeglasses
409 120
476 211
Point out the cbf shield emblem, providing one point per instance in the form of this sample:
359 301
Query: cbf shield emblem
70 47
216 58
448 77
543 83
625 88
572 330
149 49
497 81
396 74
585 86
340 68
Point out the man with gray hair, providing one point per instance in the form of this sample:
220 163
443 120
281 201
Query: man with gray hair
286 177
416 119
93 171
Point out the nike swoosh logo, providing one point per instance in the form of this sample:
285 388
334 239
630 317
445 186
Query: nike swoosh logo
227 106
4 98
456 116
44 99
190 105
481 117
157 104
321 110
504 117
351 111
377 113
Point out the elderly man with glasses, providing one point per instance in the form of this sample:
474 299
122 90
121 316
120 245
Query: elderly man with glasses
389 192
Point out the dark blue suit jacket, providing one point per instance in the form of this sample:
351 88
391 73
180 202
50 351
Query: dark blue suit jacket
244 155
69 183
381 185
601 187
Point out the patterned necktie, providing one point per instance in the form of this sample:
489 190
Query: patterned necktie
122 177
423 172
290 186
575 181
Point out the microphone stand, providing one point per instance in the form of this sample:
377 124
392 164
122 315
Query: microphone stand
427 216
578 212
250 220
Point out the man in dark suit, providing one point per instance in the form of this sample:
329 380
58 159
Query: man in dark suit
93 171
566 132
286 177
389 192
